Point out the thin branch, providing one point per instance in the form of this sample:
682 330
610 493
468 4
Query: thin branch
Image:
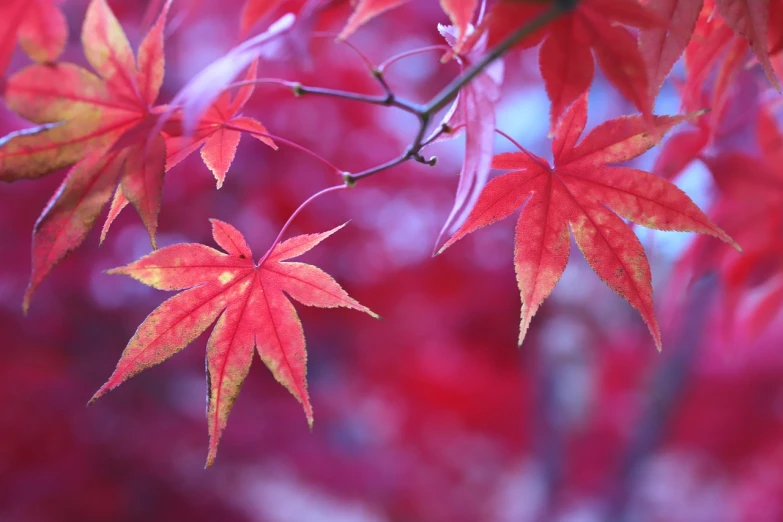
424 113
351 179
447 93
389 100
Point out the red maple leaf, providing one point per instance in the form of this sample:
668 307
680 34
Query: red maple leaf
365 11
461 14
729 91
38 25
565 56
84 117
583 193
219 131
714 30
662 46
217 135
247 300
749 207
750 18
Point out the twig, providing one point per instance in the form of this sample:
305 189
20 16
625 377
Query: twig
426 112
285 141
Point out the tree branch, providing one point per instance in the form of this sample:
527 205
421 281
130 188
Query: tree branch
426 112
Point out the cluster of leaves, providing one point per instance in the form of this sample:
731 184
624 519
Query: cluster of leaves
105 127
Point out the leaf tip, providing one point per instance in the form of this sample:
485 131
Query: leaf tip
442 249
28 296
100 393
210 458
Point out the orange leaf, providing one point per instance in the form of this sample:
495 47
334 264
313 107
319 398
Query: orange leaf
91 123
251 309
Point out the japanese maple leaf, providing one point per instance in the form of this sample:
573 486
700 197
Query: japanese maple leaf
365 11
749 206
220 129
750 18
662 45
733 96
246 298
217 135
38 25
474 111
460 12
565 55
83 116
715 29
583 193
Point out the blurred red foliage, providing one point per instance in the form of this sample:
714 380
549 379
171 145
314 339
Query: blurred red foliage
432 414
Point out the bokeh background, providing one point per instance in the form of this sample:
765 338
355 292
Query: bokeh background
432 414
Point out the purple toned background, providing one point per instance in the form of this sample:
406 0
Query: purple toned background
432 414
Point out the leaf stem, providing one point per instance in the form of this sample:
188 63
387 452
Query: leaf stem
529 154
406 54
288 142
296 213
426 112
356 50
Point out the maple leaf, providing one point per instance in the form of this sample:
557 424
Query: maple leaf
461 14
715 30
688 145
84 119
474 111
217 135
248 302
583 193
749 18
219 131
284 38
662 46
365 11
710 37
749 208
38 25
565 56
